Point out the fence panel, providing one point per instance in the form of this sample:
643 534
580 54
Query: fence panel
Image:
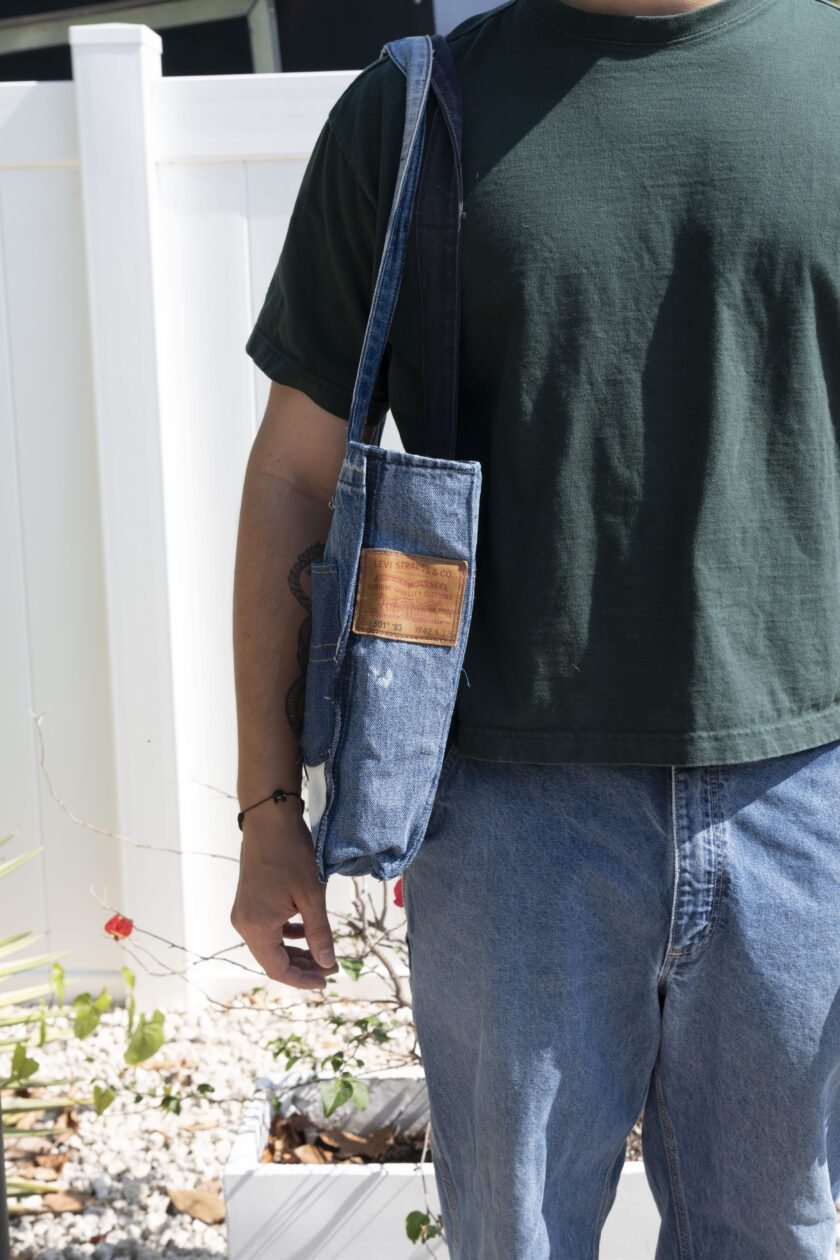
141 219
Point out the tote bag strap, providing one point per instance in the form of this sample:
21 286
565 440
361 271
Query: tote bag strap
414 56
440 209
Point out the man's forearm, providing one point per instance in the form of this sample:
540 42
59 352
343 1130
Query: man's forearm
281 532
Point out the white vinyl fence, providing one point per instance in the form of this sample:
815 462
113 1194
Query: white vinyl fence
140 220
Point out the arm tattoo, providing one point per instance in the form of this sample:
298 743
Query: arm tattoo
296 693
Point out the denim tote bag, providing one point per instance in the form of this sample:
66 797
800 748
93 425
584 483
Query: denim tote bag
392 597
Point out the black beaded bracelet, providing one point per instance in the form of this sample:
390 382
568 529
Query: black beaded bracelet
279 795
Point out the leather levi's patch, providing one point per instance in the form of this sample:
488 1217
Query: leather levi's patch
403 596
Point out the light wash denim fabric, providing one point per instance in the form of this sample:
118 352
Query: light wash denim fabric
377 710
590 942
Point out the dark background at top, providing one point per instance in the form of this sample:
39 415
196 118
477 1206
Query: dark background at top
314 35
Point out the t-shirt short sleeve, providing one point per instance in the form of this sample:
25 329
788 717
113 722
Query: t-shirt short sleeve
310 329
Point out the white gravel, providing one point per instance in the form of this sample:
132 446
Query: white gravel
132 1154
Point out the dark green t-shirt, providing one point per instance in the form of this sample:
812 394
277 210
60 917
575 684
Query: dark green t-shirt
650 368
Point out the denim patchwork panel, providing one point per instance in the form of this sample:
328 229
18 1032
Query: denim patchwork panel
380 711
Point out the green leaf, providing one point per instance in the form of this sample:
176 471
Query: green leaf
206 1089
146 1040
86 1021
25 964
14 1105
8 1043
103 1002
128 976
103 1098
82 999
57 982
22 1065
171 1102
20 940
16 997
414 1223
360 1093
419 1227
43 1082
353 966
6 868
23 1185
29 1018
334 1094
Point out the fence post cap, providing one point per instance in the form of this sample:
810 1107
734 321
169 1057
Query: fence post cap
114 33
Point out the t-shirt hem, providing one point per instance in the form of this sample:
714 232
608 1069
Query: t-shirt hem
280 367
690 748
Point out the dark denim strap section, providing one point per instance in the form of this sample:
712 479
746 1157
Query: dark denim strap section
440 208
414 56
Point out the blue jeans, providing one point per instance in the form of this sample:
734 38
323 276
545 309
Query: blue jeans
593 942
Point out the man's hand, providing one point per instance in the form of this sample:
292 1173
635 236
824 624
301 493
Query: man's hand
277 880
283 525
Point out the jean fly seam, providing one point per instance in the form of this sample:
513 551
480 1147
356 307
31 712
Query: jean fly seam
716 829
681 1216
671 927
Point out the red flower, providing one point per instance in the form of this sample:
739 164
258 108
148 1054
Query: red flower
119 927
398 900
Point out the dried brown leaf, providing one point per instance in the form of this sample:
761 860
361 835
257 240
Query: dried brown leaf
52 1159
201 1205
31 1120
309 1154
28 1168
67 1200
214 1185
15 1147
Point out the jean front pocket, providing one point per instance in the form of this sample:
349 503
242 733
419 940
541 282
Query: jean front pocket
318 710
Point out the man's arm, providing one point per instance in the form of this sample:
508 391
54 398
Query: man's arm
292 471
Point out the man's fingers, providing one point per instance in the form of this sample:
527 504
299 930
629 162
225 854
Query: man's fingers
317 930
296 931
303 958
298 972
293 930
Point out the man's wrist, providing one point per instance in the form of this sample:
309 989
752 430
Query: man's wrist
278 796
258 780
